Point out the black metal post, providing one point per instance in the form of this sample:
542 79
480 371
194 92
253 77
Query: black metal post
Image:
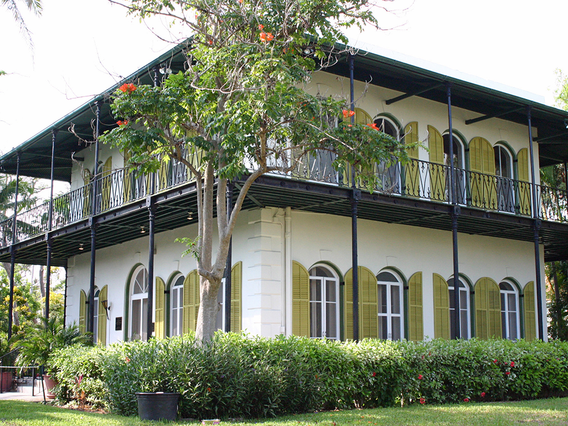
454 214
151 230
536 227
48 277
65 300
355 197
49 227
91 318
12 248
228 277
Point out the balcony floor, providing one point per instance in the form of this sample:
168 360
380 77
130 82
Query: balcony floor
125 223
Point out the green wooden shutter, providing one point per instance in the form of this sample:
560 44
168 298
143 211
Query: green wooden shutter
487 309
127 178
441 308
106 186
348 307
524 191
368 304
82 311
236 291
300 300
163 174
86 192
191 297
412 169
102 323
415 311
436 156
160 316
482 160
529 311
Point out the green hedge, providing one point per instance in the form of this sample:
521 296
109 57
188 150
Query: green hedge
244 376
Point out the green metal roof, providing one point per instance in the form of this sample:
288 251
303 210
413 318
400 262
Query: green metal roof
382 71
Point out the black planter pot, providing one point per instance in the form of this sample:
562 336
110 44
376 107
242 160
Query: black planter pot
157 405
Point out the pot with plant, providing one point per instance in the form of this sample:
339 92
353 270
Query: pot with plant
39 341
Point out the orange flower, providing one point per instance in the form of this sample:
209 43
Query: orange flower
208 389
347 113
260 27
373 126
122 123
127 88
264 37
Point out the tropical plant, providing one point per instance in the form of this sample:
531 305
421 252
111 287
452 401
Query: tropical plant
41 340
242 110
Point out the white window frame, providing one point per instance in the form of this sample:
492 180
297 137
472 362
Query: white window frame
464 288
176 313
141 297
389 315
323 303
505 310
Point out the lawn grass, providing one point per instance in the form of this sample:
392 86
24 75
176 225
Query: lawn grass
538 412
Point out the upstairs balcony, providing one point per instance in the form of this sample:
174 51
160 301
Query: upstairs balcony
417 180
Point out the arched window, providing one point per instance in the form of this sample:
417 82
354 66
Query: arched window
96 315
176 303
139 305
389 173
390 304
504 175
509 310
324 303
465 329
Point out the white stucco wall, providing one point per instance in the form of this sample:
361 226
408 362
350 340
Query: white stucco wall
260 243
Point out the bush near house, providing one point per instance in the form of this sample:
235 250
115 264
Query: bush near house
244 376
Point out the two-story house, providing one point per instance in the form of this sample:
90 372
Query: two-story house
452 244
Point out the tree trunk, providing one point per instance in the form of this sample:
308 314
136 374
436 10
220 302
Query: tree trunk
208 309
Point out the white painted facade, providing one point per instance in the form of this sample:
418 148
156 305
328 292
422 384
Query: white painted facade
267 241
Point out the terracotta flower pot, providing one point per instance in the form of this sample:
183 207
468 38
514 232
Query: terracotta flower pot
49 383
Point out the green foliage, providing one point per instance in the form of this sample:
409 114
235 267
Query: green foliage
39 341
239 376
79 374
26 302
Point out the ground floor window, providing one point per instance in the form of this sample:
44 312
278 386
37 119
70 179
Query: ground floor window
139 305
390 299
176 303
509 311
463 309
324 303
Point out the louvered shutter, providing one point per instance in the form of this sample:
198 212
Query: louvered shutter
530 311
236 291
300 300
348 307
191 298
106 184
82 311
441 308
483 186
437 174
412 169
415 310
102 321
368 304
160 314
487 309
524 190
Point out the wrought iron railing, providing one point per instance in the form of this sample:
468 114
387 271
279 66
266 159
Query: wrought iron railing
417 179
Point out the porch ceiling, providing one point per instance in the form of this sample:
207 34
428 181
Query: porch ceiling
173 207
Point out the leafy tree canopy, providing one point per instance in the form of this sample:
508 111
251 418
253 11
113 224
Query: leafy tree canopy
241 108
